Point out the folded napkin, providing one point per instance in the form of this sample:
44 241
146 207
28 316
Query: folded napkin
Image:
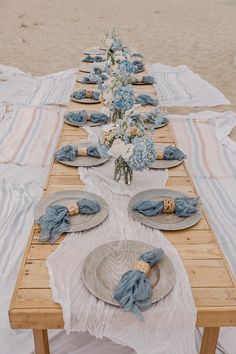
81 117
137 55
94 79
79 95
138 66
71 152
91 59
155 118
180 206
134 290
97 71
170 153
145 99
57 218
148 79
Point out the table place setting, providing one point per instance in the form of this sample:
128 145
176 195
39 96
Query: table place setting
86 96
68 211
129 274
83 155
92 79
165 209
93 59
88 68
167 157
86 117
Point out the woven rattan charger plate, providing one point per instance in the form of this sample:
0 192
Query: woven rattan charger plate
104 266
163 221
78 222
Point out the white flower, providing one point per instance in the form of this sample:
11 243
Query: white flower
108 127
119 148
127 151
116 148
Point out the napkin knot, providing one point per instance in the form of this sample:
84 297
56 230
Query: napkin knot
82 151
142 266
73 209
169 205
88 94
160 155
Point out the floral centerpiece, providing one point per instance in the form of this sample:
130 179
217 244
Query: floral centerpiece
130 147
118 95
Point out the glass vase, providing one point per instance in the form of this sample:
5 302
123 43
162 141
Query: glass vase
123 173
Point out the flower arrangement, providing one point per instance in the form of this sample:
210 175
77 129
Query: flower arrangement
129 146
118 96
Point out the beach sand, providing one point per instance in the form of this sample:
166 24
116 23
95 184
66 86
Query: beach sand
44 36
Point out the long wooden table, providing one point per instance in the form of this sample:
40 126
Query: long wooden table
213 285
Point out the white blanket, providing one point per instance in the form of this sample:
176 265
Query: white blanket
17 87
179 86
213 168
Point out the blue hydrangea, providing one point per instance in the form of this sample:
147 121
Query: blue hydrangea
127 67
143 154
116 44
123 98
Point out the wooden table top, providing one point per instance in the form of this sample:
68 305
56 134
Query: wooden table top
212 283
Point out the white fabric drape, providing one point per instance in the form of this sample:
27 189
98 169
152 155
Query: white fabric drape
165 322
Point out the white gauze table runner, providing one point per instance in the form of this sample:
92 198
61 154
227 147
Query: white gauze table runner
179 86
165 322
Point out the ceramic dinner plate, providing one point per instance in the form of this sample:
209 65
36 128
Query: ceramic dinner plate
104 266
162 164
94 51
163 221
85 100
152 126
80 222
88 123
87 67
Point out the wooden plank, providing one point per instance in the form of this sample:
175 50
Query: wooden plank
214 297
198 251
209 340
215 274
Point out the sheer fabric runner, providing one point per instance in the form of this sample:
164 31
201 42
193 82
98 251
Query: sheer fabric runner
167 322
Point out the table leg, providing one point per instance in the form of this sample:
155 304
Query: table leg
209 340
41 341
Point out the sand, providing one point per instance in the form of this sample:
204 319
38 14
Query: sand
44 36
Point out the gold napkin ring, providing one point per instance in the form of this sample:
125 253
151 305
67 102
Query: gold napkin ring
73 209
82 151
88 94
160 155
142 266
169 205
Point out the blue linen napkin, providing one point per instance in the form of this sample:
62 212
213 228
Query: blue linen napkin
70 152
184 207
138 66
134 290
90 59
155 118
173 153
145 99
81 117
148 79
57 220
94 79
80 94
